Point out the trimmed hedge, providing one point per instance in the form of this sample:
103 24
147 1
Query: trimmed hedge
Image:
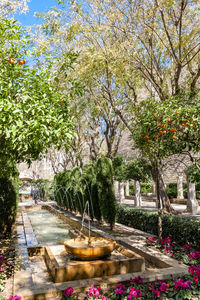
9 197
181 229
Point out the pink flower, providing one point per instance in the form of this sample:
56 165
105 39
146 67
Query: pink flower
151 239
194 255
93 292
195 270
104 298
156 292
196 280
167 240
137 279
181 285
187 247
119 291
15 298
134 292
163 287
69 292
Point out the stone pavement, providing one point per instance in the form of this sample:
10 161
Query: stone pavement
151 206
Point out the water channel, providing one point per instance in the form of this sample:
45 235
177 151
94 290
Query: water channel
48 228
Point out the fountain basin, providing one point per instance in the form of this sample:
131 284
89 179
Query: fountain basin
89 249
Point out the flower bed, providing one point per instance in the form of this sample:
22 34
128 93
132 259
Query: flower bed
187 287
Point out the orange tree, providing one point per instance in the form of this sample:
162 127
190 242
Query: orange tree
34 113
162 129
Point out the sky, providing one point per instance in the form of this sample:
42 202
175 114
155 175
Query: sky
35 6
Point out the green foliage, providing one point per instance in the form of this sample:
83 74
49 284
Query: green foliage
137 170
76 190
88 177
104 180
118 168
44 186
131 189
61 184
33 117
193 173
184 230
172 190
9 196
165 128
146 188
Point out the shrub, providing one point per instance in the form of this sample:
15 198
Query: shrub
172 190
146 188
61 185
182 229
9 197
90 191
43 186
106 195
76 191
131 189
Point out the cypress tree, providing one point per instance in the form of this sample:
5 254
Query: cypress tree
104 180
76 189
9 195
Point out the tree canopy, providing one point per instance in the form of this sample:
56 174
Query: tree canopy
34 113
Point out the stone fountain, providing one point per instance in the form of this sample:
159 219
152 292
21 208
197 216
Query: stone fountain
90 248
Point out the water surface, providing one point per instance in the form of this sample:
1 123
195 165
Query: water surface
48 228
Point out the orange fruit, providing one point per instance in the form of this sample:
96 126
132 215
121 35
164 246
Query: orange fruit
147 137
162 125
63 101
161 132
168 285
174 137
169 121
22 62
166 129
148 141
11 61
181 129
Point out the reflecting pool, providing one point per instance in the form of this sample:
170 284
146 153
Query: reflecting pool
48 228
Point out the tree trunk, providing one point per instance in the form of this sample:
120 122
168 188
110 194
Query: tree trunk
138 199
163 203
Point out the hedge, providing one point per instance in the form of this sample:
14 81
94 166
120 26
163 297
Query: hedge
181 229
9 197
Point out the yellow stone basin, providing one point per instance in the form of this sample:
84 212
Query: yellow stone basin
97 248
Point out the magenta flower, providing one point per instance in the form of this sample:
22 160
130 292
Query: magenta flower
156 292
151 239
15 298
167 240
195 255
94 292
187 247
104 298
181 285
163 287
134 293
195 270
69 292
137 279
120 290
